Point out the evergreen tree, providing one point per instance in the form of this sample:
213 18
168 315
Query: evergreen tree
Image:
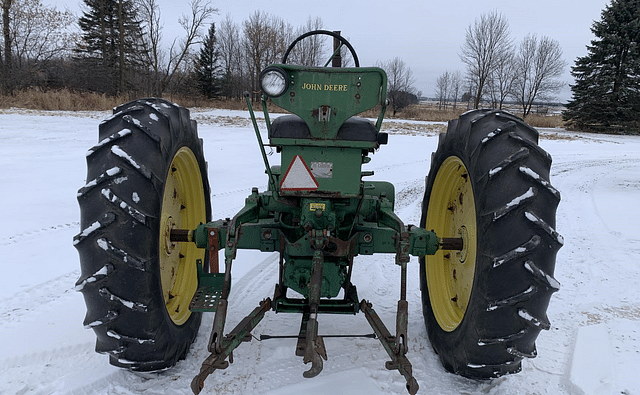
207 67
606 95
112 41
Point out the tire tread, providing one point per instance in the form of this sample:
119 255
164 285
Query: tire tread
516 205
125 307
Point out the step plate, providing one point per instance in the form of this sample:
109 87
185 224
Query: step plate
208 293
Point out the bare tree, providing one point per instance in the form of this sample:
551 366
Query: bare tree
310 51
503 78
448 87
180 51
261 40
232 58
228 43
6 34
484 41
456 86
150 13
265 41
442 88
255 43
539 64
470 85
40 33
281 35
400 84
121 47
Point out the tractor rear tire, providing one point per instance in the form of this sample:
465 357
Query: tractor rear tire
146 176
485 305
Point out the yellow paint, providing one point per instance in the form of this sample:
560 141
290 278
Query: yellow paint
183 207
452 213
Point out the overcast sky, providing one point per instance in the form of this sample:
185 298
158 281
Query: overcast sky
427 35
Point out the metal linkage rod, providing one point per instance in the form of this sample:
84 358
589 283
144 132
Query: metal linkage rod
217 359
315 350
398 360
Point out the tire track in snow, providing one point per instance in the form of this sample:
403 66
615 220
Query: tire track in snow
219 206
246 191
411 164
36 233
597 254
257 283
583 177
31 300
48 372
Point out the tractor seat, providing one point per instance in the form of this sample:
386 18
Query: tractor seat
353 129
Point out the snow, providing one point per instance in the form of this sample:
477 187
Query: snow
102 272
121 153
592 347
592 361
494 171
88 230
555 284
115 136
491 135
552 232
113 171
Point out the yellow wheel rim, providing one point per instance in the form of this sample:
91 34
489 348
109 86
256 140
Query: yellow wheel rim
183 207
451 213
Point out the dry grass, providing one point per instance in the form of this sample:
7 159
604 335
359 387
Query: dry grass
66 100
545 121
430 112
59 100
198 102
414 129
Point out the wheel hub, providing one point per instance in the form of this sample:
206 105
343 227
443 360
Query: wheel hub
462 254
169 246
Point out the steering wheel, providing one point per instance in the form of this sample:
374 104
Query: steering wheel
325 32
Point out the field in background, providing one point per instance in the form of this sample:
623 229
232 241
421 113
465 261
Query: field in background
65 100
542 117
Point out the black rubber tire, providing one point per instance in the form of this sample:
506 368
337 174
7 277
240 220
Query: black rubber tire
120 209
515 208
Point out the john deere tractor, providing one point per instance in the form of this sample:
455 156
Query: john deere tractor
149 251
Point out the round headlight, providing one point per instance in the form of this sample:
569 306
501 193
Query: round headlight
274 81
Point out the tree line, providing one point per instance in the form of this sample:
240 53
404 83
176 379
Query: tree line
113 48
606 91
34 39
116 47
497 70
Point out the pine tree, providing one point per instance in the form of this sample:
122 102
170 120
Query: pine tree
606 95
207 66
111 41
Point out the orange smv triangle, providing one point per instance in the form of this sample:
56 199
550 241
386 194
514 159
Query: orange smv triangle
298 177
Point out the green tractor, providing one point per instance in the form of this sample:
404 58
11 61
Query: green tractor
149 250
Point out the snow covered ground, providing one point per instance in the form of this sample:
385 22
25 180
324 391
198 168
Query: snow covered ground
593 346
